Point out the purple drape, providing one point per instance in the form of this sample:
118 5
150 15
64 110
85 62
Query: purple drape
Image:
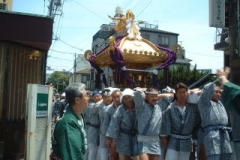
99 73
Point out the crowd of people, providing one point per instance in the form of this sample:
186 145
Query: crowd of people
146 124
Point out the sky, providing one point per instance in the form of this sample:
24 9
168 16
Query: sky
81 19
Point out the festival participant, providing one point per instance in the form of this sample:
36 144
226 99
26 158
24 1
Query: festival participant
116 96
231 101
180 119
214 121
107 100
86 115
198 146
121 128
166 92
69 140
149 117
93 129
231 94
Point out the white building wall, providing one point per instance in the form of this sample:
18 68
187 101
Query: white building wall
81 63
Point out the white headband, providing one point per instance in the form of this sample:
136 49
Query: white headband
151 92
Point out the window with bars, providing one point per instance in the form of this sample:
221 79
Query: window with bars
163 40
3 6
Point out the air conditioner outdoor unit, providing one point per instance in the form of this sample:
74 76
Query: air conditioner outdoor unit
3 6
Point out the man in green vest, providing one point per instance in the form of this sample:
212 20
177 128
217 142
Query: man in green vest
231 91
231 100
69 140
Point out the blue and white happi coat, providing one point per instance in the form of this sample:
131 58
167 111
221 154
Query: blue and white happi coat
107 117
148 124
101 111
213 114
179 127
94 123
121 128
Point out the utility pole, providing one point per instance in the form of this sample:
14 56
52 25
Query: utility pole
75 67
51 8
234 37
55 8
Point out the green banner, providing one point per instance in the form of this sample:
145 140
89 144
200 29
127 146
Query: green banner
42 105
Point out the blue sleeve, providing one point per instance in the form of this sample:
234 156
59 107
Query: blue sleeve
139 98
166 123
207 94
106 122
114 126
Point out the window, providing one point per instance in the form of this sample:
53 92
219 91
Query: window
3 6
145 36
92 74
163 41
85 78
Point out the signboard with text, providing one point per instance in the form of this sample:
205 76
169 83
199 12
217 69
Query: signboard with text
42 105
217 13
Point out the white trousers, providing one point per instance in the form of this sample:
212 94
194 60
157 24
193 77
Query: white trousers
102 153
163 150
175 155
92 151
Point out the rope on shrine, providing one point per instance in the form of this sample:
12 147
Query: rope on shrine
117 57
99 73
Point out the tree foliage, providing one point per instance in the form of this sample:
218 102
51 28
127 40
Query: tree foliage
59 80
182 73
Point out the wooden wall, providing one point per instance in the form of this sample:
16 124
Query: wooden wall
19 66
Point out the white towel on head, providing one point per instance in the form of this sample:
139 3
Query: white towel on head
193 98
128 92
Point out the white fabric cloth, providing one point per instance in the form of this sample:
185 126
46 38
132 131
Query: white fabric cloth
193 98
102 153
175 155
163 152
127 92
182 109
92 151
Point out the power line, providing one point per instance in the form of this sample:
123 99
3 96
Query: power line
144 2
139 2
60 58
202 54
61 51
69 44
70 69
128 4
144 8
91 11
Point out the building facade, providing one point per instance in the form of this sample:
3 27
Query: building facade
81 76
81 63
6 5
